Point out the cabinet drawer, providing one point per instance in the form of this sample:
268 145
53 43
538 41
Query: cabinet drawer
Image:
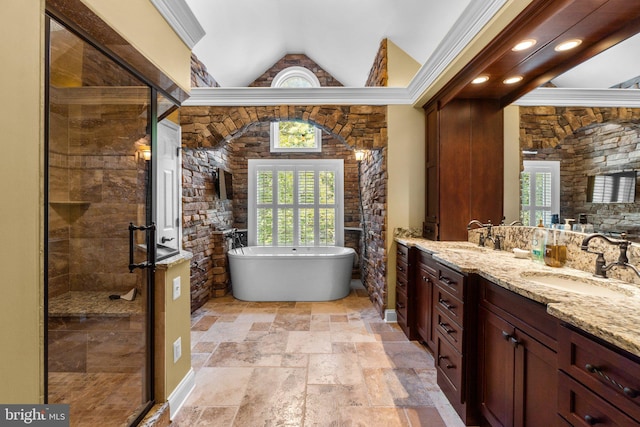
401 304
427 264
581 407
401 284
401 271
402 253
449 365
615 377
450 330
449 305
452 281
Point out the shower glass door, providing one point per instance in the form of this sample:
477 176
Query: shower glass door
98 183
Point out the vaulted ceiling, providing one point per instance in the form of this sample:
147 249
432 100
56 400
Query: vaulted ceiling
246 37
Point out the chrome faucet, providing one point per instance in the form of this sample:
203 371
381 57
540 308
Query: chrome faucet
497 244
601 266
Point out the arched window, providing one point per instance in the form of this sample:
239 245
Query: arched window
294 136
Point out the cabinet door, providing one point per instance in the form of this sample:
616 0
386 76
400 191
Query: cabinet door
430 228
497 368
424 292
536 382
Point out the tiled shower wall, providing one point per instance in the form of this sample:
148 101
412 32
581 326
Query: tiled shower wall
95 180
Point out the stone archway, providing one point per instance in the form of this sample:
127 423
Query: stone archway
546 127
360 126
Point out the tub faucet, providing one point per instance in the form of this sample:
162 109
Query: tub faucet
601 266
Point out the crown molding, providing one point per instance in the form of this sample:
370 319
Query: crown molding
467 26
328 95
181 18
572 97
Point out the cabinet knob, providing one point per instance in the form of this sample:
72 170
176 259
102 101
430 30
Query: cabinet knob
590 420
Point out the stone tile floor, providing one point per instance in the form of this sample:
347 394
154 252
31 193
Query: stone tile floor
309 364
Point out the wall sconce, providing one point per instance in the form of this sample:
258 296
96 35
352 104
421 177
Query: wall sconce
359 155
144 152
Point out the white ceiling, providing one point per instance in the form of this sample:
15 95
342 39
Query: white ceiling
244 38
613 66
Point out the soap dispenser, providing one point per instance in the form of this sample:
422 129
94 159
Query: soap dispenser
538 241
555 249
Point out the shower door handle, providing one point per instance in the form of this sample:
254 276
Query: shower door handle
150 231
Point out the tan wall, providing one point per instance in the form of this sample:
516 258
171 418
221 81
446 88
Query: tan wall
174 316
21 365
512 163
133 20
406 127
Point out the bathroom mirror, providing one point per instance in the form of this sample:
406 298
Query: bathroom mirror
596 146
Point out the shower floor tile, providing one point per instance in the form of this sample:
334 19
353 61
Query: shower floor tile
309 364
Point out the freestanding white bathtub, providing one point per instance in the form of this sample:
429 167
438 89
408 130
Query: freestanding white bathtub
261 273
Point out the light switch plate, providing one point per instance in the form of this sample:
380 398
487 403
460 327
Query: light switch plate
176 288
177 349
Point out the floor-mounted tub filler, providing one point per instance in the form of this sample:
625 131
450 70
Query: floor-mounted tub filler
265 273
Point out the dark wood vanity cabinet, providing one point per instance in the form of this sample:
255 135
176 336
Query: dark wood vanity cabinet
598 383
405 299
453 322
464 167
426 275
517 357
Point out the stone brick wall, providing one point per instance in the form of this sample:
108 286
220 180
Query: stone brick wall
204 215
379 76
373 178
586 141
359 126
200 77
295 60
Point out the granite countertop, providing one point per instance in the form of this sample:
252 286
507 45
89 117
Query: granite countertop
614 318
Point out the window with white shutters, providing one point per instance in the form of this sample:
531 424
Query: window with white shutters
296 203
540 191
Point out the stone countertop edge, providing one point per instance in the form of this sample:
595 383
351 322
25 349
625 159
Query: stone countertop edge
616 320
174 260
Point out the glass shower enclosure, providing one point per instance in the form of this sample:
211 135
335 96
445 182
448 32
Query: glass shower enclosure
99 241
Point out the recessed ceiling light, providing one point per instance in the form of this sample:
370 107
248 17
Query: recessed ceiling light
512 80
480 79
567 45
524 45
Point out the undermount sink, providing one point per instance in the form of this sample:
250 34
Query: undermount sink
579 285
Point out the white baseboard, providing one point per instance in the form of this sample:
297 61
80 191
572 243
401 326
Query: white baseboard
390 316
179 395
